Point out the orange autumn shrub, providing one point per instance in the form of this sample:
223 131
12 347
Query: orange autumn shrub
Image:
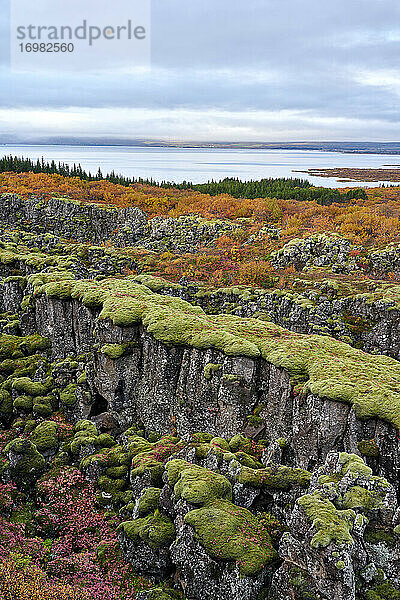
21 580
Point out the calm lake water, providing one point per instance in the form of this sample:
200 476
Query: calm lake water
200 165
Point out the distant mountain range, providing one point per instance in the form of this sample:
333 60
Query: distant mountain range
347 147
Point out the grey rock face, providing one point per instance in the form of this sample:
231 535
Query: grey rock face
121 227
183 234
73 220
153 563
318 250
328 565
345 542
202 577
164 386
338 253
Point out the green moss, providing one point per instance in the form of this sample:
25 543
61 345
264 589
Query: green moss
100 459
164 594
246 460
324 366
219 444
211 368
11 325
195 484
142 464
115 351
30 462
150 458
299 579
202 450
138 445
247 450
353 464
340 565
33 343
42 405
26 302
201 438
229 456
368 448
45 436
117 456
82 378
68 395
149 501
105 440
85 434
16 347
239 442
61 459
6 403
23 403
156 283
373 535
231 378
111 486
85 426
383 591
332 525
30 425
362 499
117 472
280 477
32 388
42 410
232 533
19 367
155 530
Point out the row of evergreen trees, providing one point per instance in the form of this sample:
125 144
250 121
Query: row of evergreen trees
24 165
281 188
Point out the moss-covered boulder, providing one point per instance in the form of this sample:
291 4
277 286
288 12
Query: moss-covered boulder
24 463
45 436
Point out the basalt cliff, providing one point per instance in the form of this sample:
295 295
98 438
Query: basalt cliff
235 442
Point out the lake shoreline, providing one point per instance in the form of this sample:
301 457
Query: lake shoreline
199 165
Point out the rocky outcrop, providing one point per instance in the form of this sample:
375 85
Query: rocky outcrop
337 253
367 321
341 539
73 220
183 234
132 376
217 516
120 227
228 451
215 549
317 250
328 551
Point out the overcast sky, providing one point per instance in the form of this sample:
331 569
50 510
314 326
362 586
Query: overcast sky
267 70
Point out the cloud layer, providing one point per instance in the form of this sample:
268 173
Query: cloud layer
230 70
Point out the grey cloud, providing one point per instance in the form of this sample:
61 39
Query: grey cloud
238 55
